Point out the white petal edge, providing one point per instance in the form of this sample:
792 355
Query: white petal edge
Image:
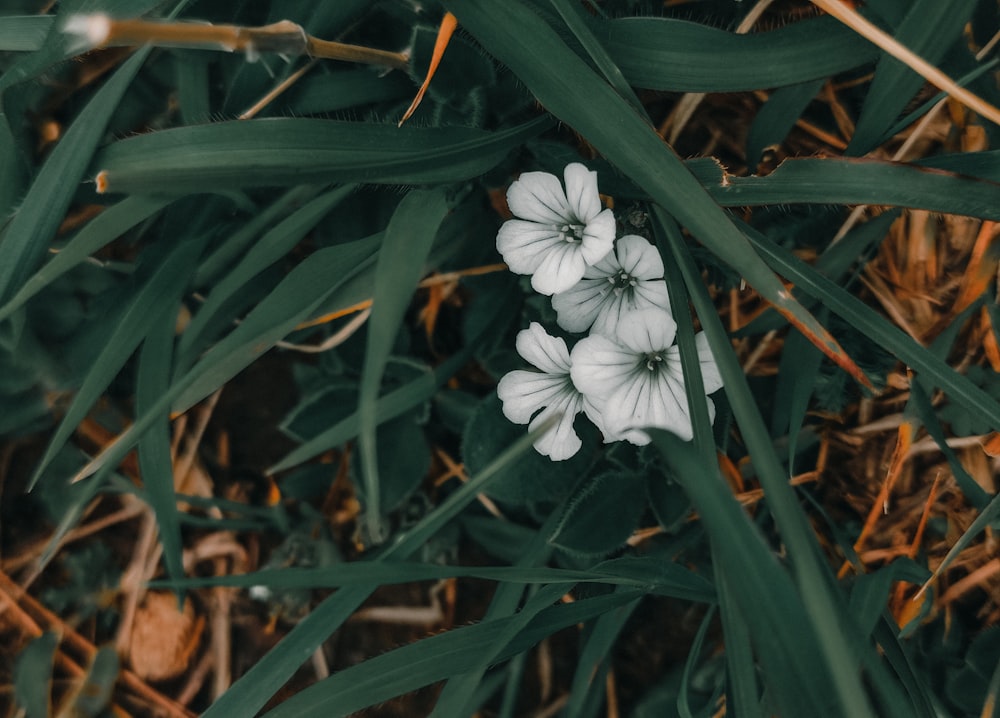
560 442
523 393
538 197
547 353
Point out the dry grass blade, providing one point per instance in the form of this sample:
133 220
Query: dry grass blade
851 18
284 37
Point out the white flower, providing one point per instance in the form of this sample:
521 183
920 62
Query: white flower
544 393
628 279
635 377
558 232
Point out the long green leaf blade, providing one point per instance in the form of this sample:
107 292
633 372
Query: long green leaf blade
27 236
400 265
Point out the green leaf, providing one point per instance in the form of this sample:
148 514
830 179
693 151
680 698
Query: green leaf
576 20
389 406
930 29
248 695
335 91
24 33
680 56
103 229
400 265
274 152
788 645
164 287
854 181
28 235
601 516
777 117
838 637
435 658
94 694
532 478
192 87
318 277
33 676
404 458
894 340
155 461
223 303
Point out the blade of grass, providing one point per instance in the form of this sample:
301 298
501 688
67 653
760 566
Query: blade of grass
36 221
459 693
222 305
795 665
890 337
680 56
25 33
436 658
399 267
742 675
104 228
851 18
812 575
855 181
294 298
166 284
248 695
575 19
930 29
277 152
155 461
588 678
667 579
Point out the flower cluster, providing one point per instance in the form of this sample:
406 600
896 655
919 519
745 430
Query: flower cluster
626 374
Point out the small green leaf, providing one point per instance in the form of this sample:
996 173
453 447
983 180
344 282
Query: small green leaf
33 676
533 477
602 515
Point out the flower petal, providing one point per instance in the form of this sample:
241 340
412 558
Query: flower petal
538 197
600 367
561 441
645 331
581 192
598 237
525 392
547 353
578 307
560 268
646 294
524 245
652 399
638 257
710 374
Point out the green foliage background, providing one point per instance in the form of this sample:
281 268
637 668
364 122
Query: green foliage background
255 227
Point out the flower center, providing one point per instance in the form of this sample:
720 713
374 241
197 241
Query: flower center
654 361
571 232
621 281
